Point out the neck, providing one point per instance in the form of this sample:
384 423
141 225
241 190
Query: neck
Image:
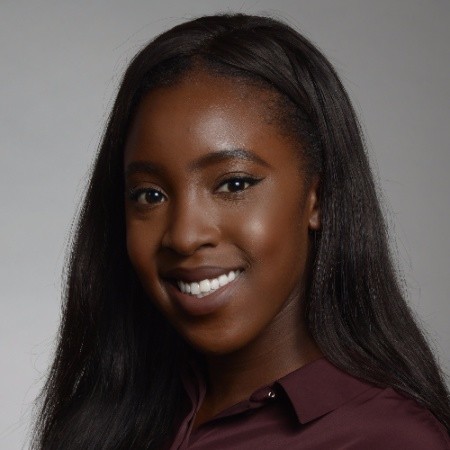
280 350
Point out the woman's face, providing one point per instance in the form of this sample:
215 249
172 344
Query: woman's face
217 212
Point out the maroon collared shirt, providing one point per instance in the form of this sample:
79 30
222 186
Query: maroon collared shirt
316 407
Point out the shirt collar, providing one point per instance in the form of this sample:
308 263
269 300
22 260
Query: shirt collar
318 388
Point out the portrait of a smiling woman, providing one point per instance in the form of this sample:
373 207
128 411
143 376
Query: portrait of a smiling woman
230 283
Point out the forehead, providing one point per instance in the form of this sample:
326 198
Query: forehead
204 113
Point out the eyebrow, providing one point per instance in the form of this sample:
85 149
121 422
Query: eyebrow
225 155
200 163
142 167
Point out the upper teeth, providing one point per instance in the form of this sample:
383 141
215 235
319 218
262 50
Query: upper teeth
204 287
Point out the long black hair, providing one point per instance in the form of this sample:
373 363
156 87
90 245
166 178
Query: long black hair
114 382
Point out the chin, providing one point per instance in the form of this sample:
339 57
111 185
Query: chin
213 346
217 343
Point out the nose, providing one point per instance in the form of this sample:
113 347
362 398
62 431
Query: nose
191 226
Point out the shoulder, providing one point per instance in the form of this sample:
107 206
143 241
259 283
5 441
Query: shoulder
384 418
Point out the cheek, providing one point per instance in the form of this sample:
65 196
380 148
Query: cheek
259 236
134 247
272 229
139 248
141 245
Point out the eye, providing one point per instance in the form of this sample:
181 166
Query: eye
236 184
147 196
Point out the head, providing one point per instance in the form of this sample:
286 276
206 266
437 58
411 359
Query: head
258 65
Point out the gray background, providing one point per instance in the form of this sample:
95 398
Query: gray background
60 64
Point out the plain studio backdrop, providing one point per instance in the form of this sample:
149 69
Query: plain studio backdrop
61 62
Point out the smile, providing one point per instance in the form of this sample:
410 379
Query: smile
205 287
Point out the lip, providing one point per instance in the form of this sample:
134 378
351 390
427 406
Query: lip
208 304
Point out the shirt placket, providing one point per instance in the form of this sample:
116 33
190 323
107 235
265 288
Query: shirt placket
257 400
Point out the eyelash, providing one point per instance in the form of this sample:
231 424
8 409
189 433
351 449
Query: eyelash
136 193
250 181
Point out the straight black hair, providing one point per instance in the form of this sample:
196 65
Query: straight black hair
115 380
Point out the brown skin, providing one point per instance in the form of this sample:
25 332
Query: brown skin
187 215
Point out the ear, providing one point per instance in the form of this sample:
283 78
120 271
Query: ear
312 204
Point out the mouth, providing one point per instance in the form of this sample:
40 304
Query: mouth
207 286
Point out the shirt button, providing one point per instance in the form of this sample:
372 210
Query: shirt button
271 394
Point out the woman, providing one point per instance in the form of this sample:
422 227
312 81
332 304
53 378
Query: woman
230 284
